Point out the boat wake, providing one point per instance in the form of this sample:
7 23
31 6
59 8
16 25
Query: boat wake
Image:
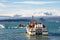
15 27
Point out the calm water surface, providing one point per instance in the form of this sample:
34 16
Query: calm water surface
10 32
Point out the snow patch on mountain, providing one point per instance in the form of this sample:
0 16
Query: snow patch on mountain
31 12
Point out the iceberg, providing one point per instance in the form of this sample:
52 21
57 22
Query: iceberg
2 26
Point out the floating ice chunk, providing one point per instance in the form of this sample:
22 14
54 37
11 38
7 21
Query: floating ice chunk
1 26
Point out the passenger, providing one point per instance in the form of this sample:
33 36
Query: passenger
43 26
36 26
39 25
20 25
31 25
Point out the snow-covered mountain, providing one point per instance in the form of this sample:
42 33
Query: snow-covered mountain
30 13
42 13
37 14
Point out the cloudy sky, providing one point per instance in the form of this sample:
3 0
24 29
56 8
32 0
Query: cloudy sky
29 7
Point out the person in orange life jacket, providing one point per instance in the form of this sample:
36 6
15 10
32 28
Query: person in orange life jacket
31 25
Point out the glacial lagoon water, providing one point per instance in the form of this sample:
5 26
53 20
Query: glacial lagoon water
11 32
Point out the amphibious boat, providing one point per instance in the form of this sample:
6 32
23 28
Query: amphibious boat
35 28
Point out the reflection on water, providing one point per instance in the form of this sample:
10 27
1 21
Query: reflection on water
50 37
38 37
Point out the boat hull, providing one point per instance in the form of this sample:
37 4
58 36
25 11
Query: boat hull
44 31
31 31
37 31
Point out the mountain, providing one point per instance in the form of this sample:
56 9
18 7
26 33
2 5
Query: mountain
46 16
4 17
47 13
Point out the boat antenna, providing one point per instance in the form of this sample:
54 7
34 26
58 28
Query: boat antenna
32 18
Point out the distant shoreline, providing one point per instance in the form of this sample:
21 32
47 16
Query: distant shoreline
13 20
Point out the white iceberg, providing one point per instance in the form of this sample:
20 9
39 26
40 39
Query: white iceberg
2 26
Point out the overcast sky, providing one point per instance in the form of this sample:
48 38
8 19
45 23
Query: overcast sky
29 7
